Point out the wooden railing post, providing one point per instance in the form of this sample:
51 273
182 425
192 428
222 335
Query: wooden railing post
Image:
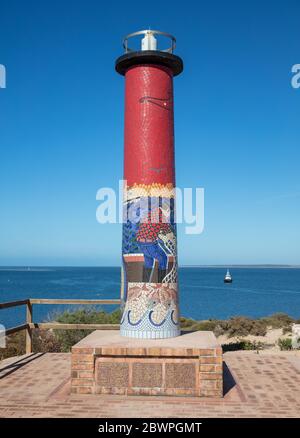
28 329
29 326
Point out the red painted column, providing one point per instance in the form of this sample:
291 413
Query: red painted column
149 231
149 126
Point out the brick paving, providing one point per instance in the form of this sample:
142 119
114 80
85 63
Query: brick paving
255 385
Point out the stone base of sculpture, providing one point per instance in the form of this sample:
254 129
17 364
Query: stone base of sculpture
107 363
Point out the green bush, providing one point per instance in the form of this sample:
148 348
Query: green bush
207 325
43 341
278 320
243 326
187 323
63 340
89 316
15 345
285 344
287 329
243 345
68 338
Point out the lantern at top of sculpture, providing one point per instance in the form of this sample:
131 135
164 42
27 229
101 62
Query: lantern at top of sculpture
149 229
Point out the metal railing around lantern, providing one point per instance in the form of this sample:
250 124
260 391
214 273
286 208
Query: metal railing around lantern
149 41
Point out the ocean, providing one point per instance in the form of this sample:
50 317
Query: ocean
255 291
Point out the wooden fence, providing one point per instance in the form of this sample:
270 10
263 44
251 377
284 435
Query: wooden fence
29 325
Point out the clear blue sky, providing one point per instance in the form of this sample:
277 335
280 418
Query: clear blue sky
61 127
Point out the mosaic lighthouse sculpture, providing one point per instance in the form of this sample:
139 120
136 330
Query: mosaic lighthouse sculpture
149 248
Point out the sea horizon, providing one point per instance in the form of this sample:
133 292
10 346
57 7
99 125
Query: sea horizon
256 290
239 265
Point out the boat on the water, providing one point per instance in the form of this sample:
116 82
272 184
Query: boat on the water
228 277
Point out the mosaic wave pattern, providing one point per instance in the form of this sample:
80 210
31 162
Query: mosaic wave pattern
151 311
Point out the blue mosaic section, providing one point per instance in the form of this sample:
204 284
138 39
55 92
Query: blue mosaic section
146 329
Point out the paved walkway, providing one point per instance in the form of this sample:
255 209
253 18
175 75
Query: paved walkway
256 385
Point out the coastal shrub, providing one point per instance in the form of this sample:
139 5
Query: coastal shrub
68 338
235 326
15 345
243 344
287 329
243 326
89 316
63 340
207 325
219 329
278 320
45 341
187 323
258 328
285 344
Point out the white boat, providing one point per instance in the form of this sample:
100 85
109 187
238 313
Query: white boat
228 278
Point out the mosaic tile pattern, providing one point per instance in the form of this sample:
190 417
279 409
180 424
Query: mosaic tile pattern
156 190
150 265
151 311
149 245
